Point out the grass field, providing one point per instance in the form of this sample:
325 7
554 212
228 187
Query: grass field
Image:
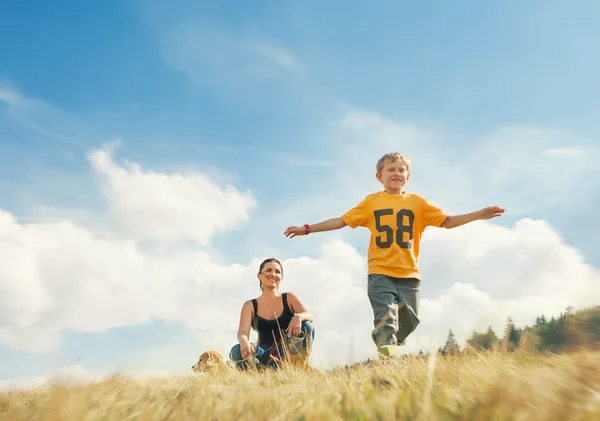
498 386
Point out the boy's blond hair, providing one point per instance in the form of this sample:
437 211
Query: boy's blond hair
393 157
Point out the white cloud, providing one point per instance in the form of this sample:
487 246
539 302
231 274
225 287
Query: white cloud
58 275
151 205
480 274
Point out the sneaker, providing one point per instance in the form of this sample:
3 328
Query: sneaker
386 351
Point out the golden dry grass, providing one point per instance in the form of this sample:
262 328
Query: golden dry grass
496 386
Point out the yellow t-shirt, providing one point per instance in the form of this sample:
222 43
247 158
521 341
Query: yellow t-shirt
397 223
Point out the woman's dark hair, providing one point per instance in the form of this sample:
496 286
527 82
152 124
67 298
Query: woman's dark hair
262 265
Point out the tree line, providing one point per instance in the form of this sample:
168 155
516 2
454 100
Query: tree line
570 331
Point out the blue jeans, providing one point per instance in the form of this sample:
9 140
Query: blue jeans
261 353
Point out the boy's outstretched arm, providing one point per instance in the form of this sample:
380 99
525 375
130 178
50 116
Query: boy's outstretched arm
485 213
329 225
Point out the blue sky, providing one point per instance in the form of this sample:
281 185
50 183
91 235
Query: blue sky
292 102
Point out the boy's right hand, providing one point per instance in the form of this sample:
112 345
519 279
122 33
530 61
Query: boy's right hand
293 231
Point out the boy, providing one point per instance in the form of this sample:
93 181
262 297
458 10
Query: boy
397 220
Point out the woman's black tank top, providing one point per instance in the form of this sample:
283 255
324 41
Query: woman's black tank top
268 330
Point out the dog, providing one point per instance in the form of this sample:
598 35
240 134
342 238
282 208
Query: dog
210 361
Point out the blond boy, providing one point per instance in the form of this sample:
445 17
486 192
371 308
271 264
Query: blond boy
397 220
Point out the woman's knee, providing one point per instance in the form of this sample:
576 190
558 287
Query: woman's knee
308 328
235 354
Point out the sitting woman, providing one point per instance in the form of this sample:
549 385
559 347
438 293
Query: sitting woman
281 320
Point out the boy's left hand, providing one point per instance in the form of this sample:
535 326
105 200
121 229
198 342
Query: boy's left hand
491 212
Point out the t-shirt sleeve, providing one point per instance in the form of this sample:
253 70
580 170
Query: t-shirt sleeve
358 215
432 215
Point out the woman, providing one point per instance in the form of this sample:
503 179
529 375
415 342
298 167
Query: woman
282 321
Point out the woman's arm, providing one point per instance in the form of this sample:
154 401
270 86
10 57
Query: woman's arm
243 333
299 308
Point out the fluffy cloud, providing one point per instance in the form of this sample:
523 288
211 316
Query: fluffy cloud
150 205
59 276
480 274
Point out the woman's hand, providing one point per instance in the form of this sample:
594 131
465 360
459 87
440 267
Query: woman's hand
295 326
246 349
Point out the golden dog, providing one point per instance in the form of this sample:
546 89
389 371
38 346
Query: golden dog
210 361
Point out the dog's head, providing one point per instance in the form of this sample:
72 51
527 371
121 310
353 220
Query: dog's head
208 361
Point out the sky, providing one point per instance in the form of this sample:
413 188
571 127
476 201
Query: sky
151 157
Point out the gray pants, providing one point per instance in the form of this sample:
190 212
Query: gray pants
395 303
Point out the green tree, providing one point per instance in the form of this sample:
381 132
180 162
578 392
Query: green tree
483 341
582 330
540 321
553 334
451 347
510 341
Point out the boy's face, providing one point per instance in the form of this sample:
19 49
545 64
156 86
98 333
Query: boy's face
393 176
